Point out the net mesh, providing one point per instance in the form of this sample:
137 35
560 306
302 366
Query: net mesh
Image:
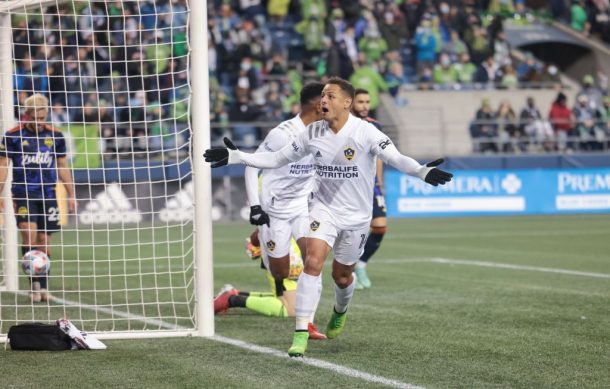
115 76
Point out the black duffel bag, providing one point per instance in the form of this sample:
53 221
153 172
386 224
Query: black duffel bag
37 337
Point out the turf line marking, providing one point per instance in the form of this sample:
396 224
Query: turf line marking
497 265
339 369
318 363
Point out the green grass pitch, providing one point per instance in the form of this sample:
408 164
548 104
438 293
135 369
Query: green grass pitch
435 317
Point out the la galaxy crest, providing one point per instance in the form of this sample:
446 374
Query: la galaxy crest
314 225
271 245
349 153
48 142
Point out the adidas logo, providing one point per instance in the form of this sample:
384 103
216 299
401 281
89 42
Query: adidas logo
110 206
318 154
179 208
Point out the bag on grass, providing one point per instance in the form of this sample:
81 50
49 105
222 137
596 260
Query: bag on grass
38 337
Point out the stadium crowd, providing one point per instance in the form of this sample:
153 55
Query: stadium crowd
582 125
135 83
97 66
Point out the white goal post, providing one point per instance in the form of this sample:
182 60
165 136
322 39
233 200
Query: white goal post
128 88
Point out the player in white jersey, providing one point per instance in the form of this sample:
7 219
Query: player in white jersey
344 149
281 209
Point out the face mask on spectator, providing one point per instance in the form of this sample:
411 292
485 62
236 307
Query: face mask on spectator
243 83
245 66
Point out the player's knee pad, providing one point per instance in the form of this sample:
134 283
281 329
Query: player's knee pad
379 230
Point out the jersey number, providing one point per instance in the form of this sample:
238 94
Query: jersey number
53 214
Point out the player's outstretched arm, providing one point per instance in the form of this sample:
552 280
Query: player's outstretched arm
430 173
229 155
433 175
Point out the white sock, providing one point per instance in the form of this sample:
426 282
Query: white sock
308 296
313 314
360 265
344 296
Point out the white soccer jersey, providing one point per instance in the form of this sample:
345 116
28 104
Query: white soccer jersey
344 166
285 190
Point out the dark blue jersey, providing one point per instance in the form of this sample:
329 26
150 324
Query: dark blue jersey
34 156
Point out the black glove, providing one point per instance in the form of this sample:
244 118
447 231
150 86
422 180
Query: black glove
437 176
219 156
258 217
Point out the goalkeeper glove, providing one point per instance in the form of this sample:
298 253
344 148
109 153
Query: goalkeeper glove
433 175
258 217
220 156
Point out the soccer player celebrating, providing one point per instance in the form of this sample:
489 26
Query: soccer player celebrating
38 154
281 210
344 149
361 108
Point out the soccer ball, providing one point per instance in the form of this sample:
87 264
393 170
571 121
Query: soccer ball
35 263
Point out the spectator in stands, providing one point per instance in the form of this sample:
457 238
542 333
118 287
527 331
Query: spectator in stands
550 77
393 28
533 125
30 77
529 71
426 47
367 77
579 18
372 45
395 79
509 78
312 26
594 95
488 72
510 136
501 49
586 124
337 25
455 47
277 10
244 113
562 120
444 74
479 44
483 129
466 70
161 135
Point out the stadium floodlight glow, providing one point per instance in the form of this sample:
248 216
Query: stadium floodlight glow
133 261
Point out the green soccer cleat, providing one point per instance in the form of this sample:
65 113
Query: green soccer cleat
362 278
336 324
299 344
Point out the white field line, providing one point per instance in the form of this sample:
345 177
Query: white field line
448 261
497 265
318 363
339 369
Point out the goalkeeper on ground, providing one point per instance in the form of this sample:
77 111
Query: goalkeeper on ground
267 303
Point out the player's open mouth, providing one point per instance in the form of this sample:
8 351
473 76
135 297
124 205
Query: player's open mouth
324 109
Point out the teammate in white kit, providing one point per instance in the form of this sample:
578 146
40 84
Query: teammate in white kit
281 210
344 149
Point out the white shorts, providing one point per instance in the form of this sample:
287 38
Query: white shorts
275 239
347 244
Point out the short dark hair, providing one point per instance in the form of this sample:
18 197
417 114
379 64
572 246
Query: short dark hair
360 91
311 92
345 86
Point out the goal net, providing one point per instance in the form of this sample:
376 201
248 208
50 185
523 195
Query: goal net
116 76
